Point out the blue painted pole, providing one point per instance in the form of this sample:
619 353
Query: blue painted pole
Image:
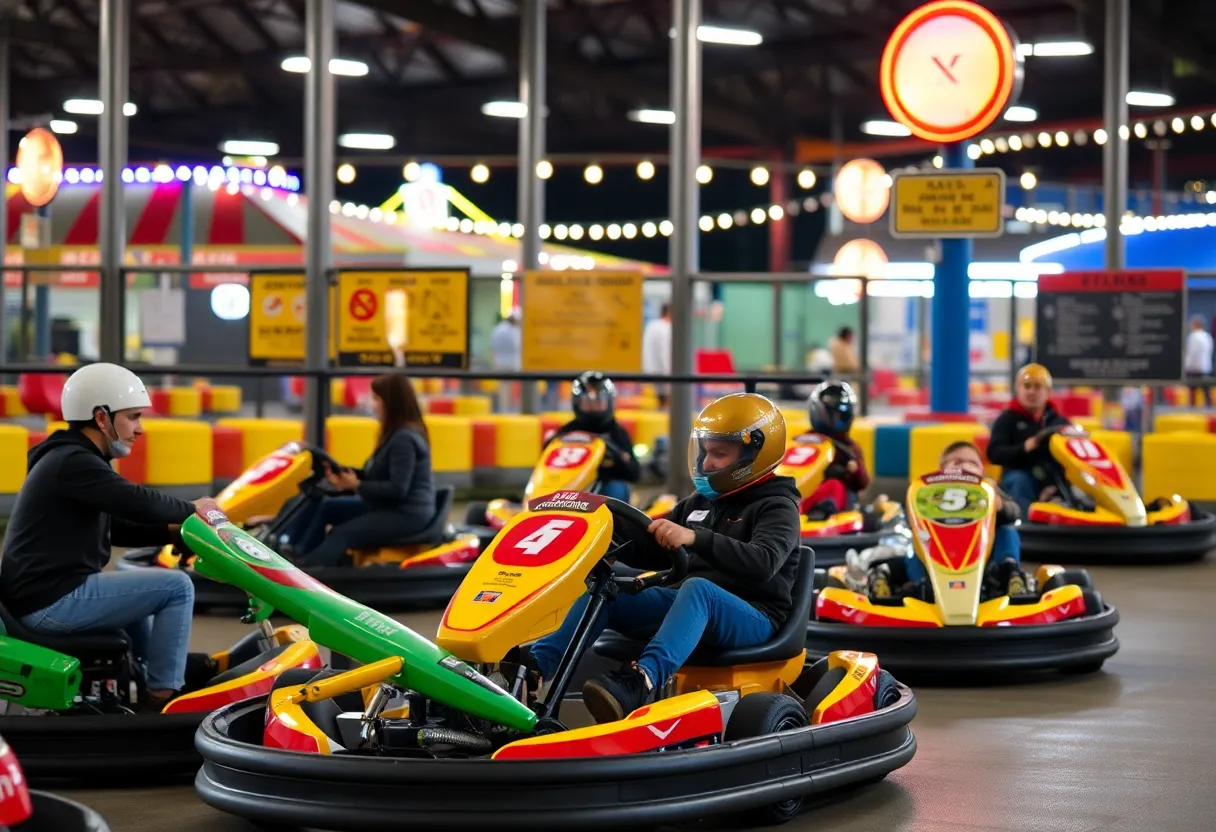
950 353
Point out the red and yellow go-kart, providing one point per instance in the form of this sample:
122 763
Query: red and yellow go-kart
807 460
1107 521
421 570
734 730
960 619
567 463
25 810
68 703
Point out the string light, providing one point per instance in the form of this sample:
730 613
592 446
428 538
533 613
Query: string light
346 173
705 174
479 174
645 169
806 179
593 174
759 176
544 169
411 171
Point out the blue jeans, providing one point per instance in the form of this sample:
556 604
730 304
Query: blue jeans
306 530
153 606
1006 543
697 611
1023 486
616 489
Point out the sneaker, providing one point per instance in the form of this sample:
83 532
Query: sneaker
821 511
1017 583
880 582
612 696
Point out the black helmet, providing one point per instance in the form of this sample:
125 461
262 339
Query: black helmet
593 398
832 405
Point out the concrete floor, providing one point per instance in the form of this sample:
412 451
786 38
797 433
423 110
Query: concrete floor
1123 751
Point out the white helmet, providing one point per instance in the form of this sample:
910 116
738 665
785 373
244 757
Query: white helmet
101 385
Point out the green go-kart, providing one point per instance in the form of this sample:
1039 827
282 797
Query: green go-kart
448 732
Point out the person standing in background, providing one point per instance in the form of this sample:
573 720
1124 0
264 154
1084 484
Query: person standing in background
844 353
506 353
1198 363
656 351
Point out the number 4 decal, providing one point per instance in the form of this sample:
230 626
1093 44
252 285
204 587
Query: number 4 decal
540 539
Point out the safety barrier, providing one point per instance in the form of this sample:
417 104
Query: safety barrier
1178 462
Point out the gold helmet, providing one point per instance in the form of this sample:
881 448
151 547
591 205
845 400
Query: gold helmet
751 422
1034 374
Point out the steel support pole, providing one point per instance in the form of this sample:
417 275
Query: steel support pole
685 209
319 122
4 159
532 69
114 27
1114 152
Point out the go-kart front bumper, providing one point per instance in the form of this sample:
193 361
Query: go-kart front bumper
105 749
382 586
53 813
1076 645
1121 545
349 792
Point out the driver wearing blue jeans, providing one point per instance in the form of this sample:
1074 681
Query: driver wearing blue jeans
593 399
741 532
1018 440
72 507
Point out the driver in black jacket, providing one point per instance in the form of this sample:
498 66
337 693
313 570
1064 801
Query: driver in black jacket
72 507
741 531
593 399
1019 439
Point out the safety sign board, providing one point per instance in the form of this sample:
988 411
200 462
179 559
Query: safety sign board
418 317
575 320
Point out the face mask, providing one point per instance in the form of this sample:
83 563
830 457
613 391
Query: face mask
118 448
704 488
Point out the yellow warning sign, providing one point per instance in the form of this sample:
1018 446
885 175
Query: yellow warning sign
278 313
582 320
946 204
417 318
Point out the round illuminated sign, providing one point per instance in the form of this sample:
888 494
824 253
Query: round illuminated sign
862 190
230 301
949 70
40 164
861 257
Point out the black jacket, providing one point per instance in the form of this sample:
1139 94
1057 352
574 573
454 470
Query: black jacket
747 543
398 476
1007 438
616 435
72 507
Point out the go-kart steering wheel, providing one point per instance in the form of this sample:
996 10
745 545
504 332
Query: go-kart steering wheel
625 513
320 458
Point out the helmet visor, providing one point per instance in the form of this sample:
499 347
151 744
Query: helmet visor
721 462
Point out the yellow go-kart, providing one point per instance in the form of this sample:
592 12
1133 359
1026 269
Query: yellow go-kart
447 732
959 620
421 570
807 461
567 463
1099 517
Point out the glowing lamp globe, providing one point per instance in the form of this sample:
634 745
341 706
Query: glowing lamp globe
862 190
40 165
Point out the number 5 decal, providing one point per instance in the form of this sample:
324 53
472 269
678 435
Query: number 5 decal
540 539
953 499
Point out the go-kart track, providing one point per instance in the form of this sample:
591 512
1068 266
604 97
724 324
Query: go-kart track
1107 751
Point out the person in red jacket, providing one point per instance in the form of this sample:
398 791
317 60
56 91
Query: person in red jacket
832 405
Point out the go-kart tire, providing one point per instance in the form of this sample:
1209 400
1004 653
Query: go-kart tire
761 715
114 749
354 791
381 586
1120 545
475 514
53 813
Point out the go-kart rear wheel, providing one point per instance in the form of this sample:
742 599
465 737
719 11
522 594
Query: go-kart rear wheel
475 514
763 714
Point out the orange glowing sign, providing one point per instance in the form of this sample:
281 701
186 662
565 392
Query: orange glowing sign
948 71
862 190
40 166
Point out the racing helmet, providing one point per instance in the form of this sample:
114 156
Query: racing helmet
593 398
832 406
746 419
101 385
1034 373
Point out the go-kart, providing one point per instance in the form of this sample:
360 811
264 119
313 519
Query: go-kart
807 460
419 570
24 810
961 619
448 732
66 702
1098 516
567 463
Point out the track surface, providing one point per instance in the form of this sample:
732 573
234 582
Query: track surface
1123 751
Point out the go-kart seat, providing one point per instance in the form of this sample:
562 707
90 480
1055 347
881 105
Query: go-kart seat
92 649
787 643
445 496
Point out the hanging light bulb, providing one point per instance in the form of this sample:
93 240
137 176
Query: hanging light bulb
346 173
544 169
645 169
705 174
411 171
759 176
479 173
806 179
593 174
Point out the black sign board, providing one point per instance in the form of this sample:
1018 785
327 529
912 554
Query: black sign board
1112 325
